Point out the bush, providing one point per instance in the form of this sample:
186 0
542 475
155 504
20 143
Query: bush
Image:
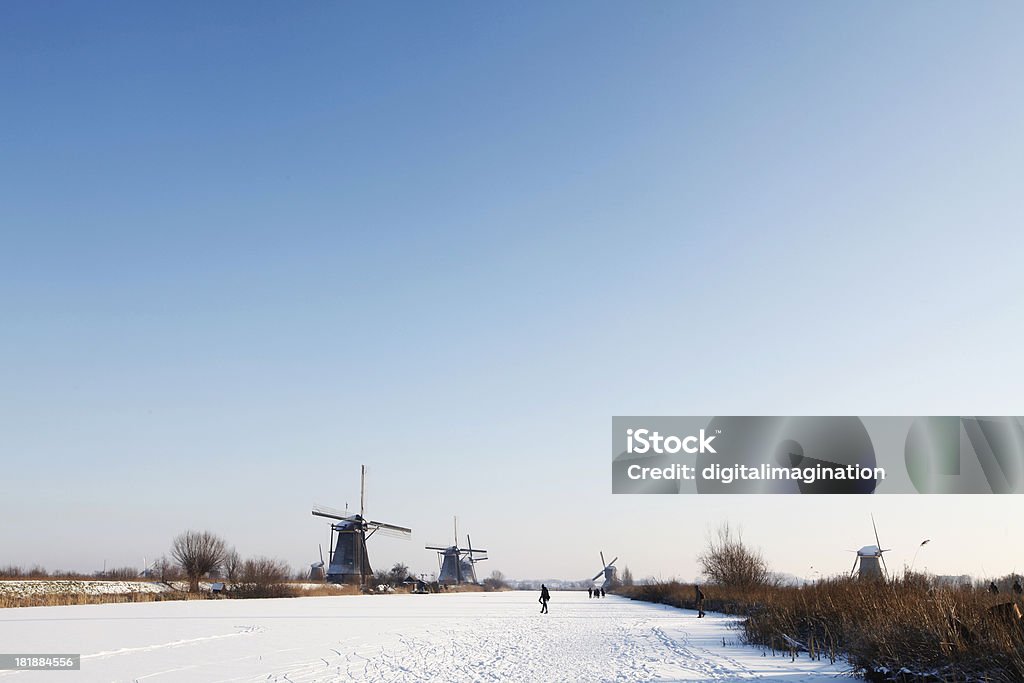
122 574
15 572
495 582
398 574
263 577
727 561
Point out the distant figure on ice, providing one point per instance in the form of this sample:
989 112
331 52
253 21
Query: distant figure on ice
590 592
544 597
1017 588
993 588
602 592
700 601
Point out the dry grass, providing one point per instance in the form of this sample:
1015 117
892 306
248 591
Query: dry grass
941 633
60 599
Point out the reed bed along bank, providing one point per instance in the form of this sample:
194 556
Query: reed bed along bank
908 629
61 599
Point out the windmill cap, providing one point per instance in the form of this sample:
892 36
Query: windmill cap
869 550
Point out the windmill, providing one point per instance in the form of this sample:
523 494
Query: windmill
458 565
348 562
870 558
608 571
316 570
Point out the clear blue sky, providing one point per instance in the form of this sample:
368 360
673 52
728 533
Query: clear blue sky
245 247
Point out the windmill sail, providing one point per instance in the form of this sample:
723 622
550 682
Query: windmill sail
608 571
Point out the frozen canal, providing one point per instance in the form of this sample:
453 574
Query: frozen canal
457 637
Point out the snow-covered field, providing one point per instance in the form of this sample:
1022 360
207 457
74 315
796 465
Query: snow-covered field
453 637
28 588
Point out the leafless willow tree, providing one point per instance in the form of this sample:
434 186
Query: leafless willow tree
727 561
198 553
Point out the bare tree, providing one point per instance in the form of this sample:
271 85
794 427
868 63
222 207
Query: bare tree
627 577
232 565
398 574
198 553
495 582
727 561
165 569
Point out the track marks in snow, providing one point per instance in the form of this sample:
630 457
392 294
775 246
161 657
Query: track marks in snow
552 648
241 631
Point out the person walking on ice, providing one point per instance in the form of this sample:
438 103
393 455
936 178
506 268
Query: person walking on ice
544 597
700 602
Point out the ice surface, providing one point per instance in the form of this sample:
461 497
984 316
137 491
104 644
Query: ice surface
453 637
